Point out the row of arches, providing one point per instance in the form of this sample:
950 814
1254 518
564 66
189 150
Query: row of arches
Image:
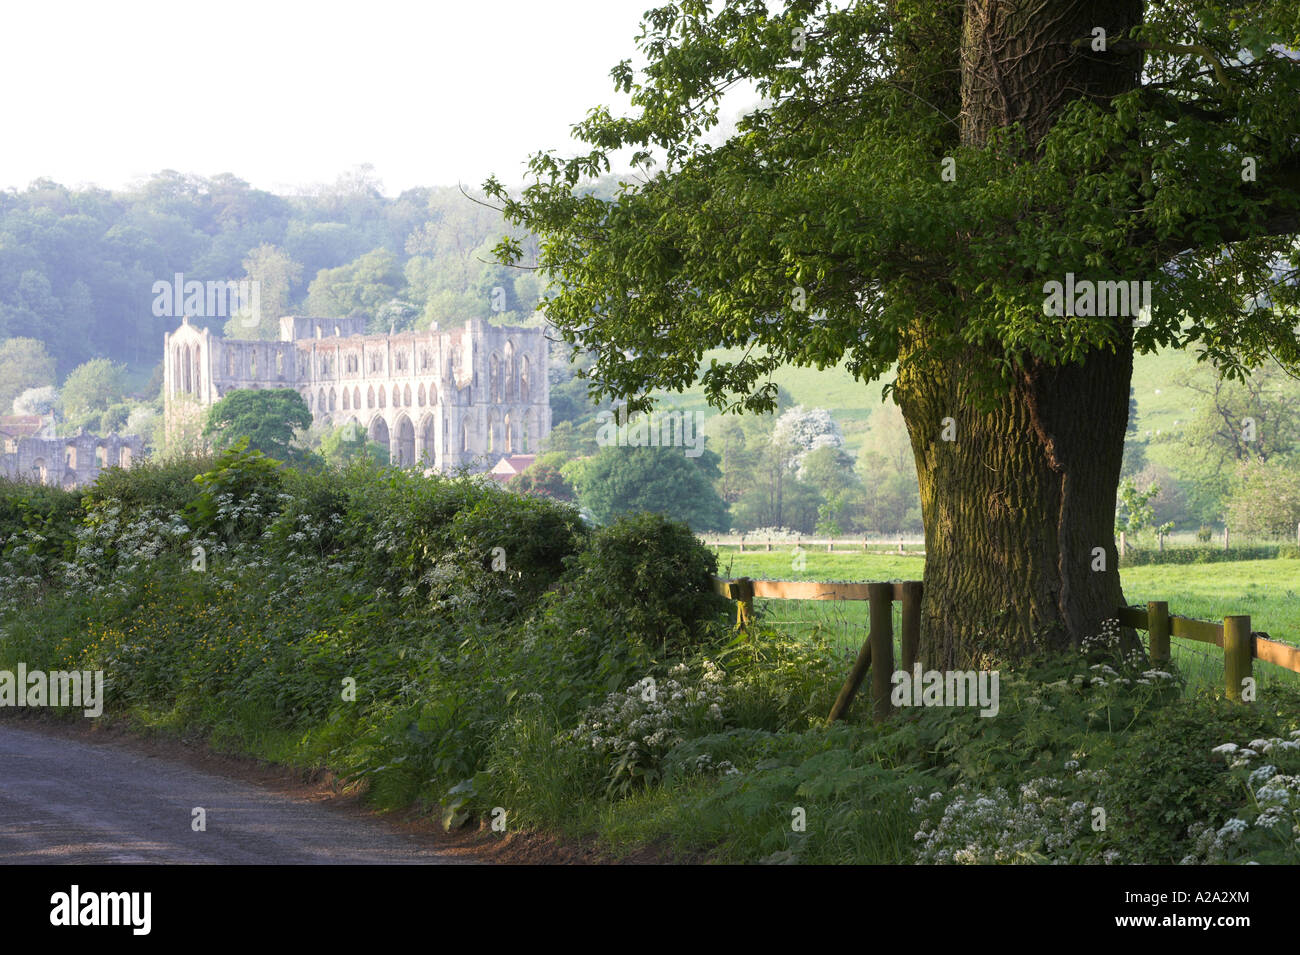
324 402
43 469
504 434
507 435
403 361
72 458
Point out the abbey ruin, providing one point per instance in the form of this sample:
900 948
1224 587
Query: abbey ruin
75 461
439 400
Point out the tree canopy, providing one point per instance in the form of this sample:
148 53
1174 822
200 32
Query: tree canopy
267 417
78 265
712 244
633 480
93 386
24 364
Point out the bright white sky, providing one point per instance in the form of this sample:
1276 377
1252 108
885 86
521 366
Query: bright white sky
287 94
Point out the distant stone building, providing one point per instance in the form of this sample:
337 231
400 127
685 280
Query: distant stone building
67 462
439 400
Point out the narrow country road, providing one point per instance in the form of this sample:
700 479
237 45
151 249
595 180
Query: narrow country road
64 801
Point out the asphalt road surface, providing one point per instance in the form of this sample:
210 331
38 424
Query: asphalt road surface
63 801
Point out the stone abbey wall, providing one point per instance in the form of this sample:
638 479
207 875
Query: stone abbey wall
441 400
68 462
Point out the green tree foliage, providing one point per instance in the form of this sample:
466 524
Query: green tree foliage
890 502
740 441
571 400
1231 421
1134 511
1265 498
1256 416
240 474
829 469
631 480
114 418
77 266
267 418
544 477
361 287
93 386
24 363
764 474
1135 446
276 274
781 501
571 442
653 577
448 309
348 442
1170 504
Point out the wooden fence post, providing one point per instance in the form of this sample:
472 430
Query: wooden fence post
881 638
742 591
742 545
911 636
1158 630
1225 537
1237 654
860 667
878 647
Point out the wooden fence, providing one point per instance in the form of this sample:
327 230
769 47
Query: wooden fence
900 545
1241 646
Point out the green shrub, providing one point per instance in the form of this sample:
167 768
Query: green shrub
238 496
527 541
651 576
167 484
41 519
314 507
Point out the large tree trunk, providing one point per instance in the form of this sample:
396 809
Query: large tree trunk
1019 506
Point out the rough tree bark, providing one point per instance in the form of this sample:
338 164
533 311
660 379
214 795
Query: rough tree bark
1015 506
1017 503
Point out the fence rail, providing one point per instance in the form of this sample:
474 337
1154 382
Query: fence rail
899 545
1241 646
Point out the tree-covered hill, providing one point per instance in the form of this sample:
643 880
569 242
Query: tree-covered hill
78 265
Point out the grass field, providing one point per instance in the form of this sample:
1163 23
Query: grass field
1268 590
1163 407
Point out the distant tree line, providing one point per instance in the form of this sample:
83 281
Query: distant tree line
78 266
